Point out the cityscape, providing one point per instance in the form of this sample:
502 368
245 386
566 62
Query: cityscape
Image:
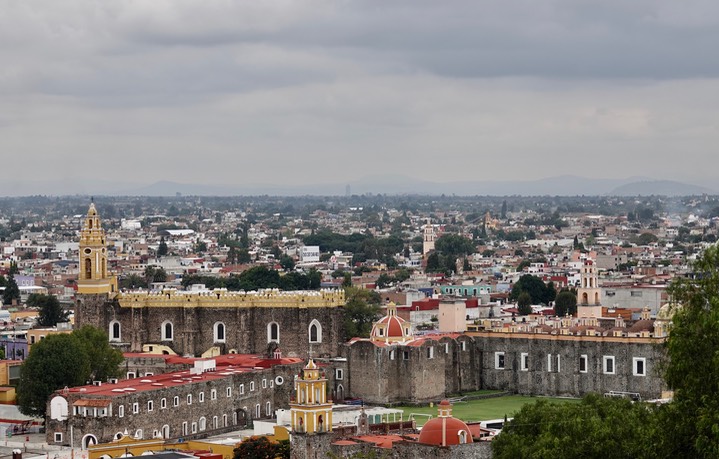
334 324
359 229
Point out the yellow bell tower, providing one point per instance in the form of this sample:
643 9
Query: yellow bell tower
93 278
311 412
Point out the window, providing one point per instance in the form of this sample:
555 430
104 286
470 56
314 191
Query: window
549 362
339 374
135 408
58 437
464 345
268 409
264 384
163 403
189 399
405 355
639 366
150 405
201 397
499 360
130 374
524 361
184 428
636 293
446 348
167 331
219 331
583 363
203 423
273 332
430 352
258 411
176 401
213 394
252 386
381 331
114 330
242 389
229 391
391 354
194 427
462 437
121 411
315 332
559 363
608 364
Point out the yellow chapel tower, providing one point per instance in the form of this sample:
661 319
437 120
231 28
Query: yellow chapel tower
93 277
311 412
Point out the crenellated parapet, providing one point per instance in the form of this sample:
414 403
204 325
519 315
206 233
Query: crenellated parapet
222 298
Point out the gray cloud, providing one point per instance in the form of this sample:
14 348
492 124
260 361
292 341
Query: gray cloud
207 91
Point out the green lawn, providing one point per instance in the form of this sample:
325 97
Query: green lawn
480 410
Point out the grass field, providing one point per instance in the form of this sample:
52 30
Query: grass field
480 410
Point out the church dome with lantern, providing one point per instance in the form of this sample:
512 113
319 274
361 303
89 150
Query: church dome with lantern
391 328
445 430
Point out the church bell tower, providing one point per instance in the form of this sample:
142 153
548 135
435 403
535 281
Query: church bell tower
93 277
311 412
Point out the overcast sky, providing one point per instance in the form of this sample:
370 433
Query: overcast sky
329 91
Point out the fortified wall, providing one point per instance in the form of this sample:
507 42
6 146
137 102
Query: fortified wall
196 322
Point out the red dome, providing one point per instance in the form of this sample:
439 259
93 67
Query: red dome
394 325
432 432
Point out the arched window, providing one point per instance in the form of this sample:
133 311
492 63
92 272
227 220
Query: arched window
258 411
315 332
273 332
462 437
115 329
88 440
219 332
167 331
203 423
88 268
268 409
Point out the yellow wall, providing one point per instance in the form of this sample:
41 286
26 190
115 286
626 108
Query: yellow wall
8 396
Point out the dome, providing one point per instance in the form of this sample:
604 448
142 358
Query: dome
445 430
642 326
391 327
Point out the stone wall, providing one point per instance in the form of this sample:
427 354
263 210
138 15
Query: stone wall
234 411
194 325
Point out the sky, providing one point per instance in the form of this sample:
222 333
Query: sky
95 93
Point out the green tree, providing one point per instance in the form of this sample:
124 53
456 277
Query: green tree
454 245
12 291
55 362
287 263
51 312
162 248
586 429
360 312
524 304
537 289
565 303
262 448
243 256
692 368
65 360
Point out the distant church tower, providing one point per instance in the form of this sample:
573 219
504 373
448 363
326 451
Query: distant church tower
311 412
429 238
589 294
93 277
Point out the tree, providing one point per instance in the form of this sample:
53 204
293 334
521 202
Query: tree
287 263
162 248
55 362
565 303
12 291
360 312
692 368
538 291
524 304
454 245
586 429
262 448
64 360
51 312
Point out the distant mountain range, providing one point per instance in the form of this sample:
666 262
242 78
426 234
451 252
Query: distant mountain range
566 185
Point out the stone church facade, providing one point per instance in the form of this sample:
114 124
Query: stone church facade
203 322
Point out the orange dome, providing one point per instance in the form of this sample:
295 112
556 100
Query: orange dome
391 328
445 431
